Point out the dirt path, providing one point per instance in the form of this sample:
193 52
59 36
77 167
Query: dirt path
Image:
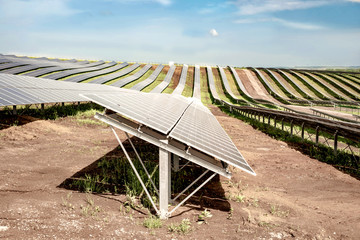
292 196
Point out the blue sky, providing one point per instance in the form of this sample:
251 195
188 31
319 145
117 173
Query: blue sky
235 32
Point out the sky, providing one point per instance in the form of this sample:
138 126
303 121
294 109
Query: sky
259 33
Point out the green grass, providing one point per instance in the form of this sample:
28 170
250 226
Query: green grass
342 160
152 222
182 228
189 84
204 88
219 85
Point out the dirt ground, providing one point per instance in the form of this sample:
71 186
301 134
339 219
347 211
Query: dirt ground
292 196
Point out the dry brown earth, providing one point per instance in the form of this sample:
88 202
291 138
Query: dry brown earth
292 196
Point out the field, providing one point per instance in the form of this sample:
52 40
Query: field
292 196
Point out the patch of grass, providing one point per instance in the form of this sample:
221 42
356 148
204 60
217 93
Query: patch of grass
66 202
183 228
240 198
152 222
90 122
157 81
275 210
90 209
203 216
341 160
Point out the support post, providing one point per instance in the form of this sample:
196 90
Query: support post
275 121
282 124
302 130
62 104
14 110
175 159
42 107
165 182
335 142
269 120
291 128
317 136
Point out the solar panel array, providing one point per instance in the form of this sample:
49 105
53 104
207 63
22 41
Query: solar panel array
133 77
180 87
212 87
161 87
287 75
226 83
197 92
22 90
67 73
82 77
11 65
141 85
115 75
239 82
281 83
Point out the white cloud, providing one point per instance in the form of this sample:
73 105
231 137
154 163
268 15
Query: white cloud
253 7
290 24
213 33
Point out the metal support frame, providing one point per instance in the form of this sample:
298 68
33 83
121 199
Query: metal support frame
175 160
164 167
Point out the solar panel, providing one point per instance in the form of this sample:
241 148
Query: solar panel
67 73
180 87
239 82
184 120
137 75
115 75
21 90
159 88
199 129
141 85
197 92
61 67
226 83
158 111
25 68
212 84
11 65
281 83
82 77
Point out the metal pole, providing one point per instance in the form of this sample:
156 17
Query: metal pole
282 124
165 182
302 130
14 110
191 185
142 164
291 128
136 172
335 142
189 196
175 159
317 136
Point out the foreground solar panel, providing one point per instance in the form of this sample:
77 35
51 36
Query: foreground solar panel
183 119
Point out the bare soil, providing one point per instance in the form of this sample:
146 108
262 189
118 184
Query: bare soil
254 86
292 196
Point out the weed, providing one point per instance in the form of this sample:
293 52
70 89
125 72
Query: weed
203 216
183 228
240 198
274 210
152 222
90 208
230 214
66 202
